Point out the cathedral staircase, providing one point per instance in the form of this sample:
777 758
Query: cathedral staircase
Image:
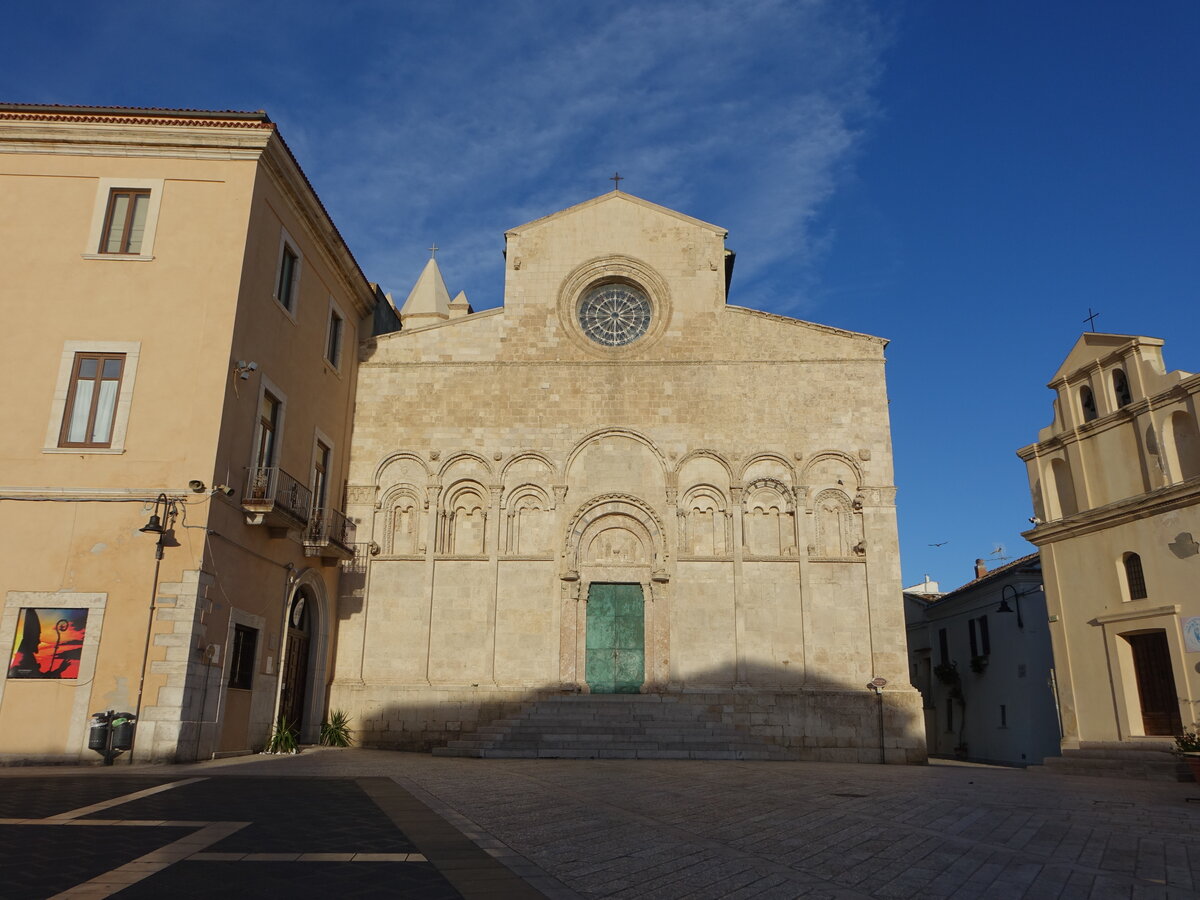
1146 760
614 726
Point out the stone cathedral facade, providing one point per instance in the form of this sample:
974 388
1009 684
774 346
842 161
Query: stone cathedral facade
620 483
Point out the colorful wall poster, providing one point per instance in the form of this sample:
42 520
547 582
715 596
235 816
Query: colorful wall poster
48 643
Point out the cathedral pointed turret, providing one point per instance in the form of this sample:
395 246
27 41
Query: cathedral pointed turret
428 302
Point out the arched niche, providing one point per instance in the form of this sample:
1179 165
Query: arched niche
706 527
402 506
528 465
528 520
838 526
832 468
1183 445
768 465
402 466
615 512
768 518
462 519
615 460
1064 487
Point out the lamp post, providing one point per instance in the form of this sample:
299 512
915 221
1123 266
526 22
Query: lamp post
160 524
1016 597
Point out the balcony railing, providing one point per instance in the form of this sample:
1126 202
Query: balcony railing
329 534
273 497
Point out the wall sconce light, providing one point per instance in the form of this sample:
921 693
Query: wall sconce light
196 486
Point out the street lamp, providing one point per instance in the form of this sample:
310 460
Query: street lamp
1016 597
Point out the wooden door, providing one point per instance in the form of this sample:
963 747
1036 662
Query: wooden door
1155 682
295 666
616 639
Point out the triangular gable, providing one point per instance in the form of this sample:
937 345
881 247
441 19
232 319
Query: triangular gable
611 197
1093 346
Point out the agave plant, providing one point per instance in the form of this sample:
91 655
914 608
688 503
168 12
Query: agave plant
283 737
336 732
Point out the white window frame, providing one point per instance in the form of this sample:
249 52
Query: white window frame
320 437
100 210
62 390
289 304
267 386
335 310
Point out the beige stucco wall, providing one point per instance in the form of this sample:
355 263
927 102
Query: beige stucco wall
1135 483
728 402
185 311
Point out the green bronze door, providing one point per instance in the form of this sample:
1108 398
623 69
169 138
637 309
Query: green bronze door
616 639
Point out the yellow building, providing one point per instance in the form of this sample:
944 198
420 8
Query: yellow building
182 337
1116 492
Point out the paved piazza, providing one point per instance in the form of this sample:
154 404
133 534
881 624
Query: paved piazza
375 823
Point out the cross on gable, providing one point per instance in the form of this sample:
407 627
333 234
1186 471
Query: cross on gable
616 179
1091 319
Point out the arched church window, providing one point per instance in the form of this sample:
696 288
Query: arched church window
1121 388
1135 578
1087 402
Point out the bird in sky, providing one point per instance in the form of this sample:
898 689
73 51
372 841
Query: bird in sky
942 544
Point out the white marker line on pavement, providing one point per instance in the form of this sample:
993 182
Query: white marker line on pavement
151 864
117 801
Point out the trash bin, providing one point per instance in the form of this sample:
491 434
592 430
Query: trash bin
122 730
98 732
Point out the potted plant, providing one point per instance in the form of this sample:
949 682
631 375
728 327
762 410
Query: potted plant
1187 745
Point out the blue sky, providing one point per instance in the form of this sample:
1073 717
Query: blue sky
964 178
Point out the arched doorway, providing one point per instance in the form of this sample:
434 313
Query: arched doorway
293 694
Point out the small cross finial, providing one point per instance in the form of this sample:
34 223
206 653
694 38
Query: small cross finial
433 251
1091 319
616 179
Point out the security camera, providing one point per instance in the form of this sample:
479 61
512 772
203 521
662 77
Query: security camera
197 486
1035 521
223 489
244 369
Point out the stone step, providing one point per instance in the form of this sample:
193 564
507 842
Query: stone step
1101 767
617 726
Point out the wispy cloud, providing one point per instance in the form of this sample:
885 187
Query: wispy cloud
471 120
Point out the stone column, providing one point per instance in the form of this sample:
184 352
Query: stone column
739 619
568 591
491 543
433 542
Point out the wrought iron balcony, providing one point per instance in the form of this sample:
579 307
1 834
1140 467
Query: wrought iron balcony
276 499
329 534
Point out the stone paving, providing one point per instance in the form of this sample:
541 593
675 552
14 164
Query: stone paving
662 829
